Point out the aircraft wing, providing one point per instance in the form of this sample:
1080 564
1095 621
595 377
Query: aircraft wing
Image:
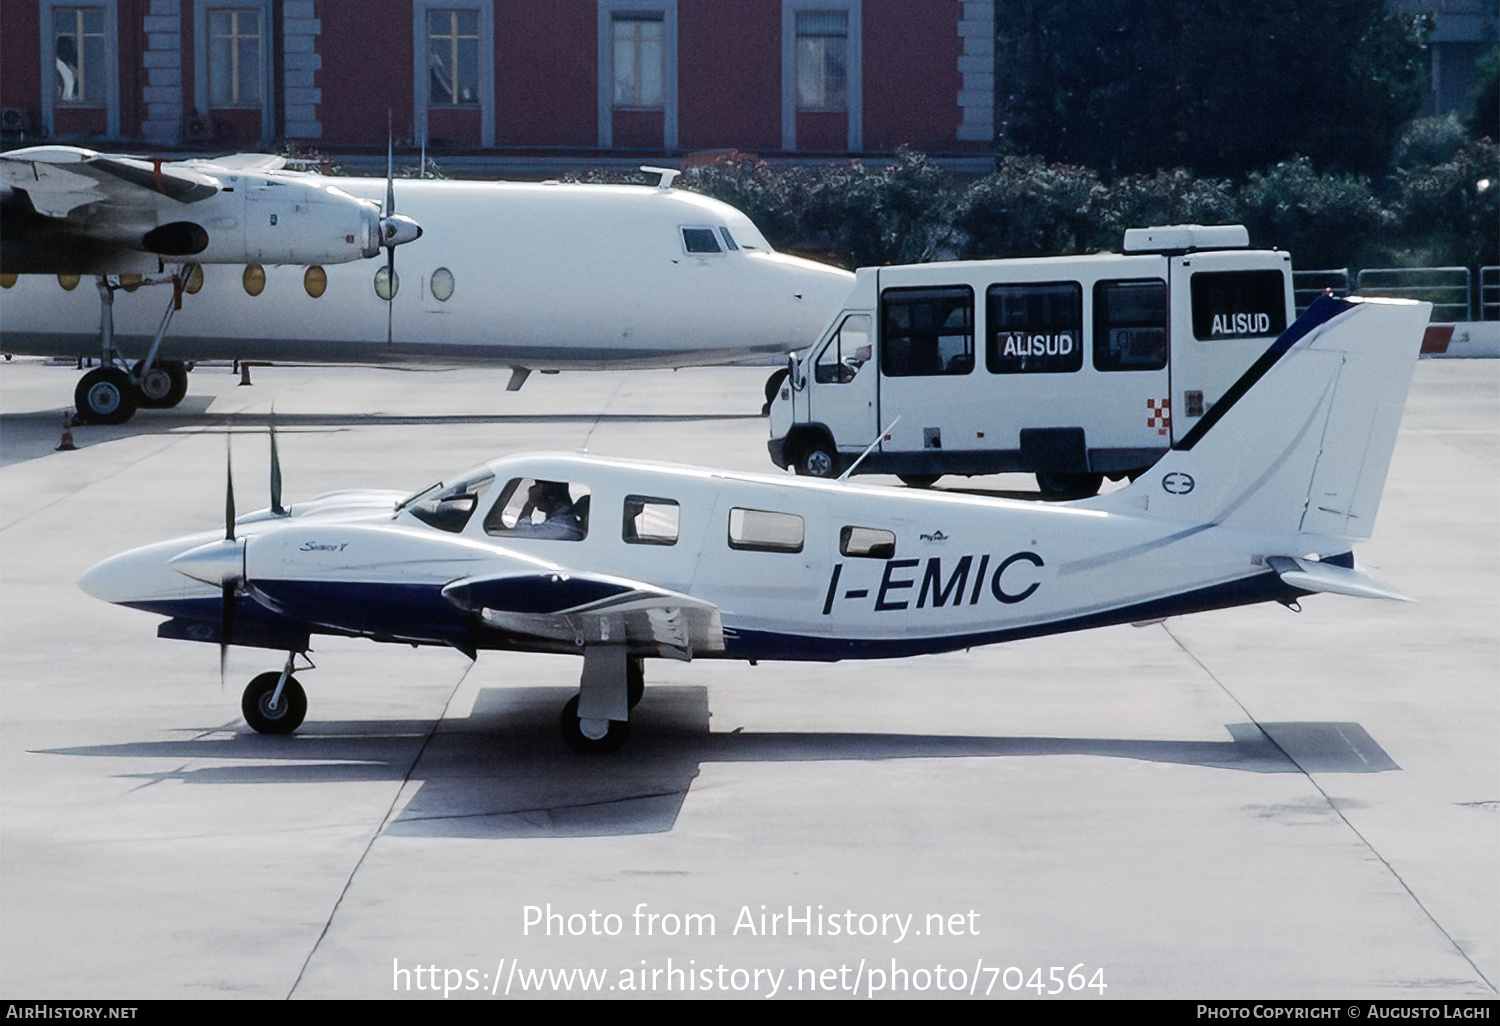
592 609
59 180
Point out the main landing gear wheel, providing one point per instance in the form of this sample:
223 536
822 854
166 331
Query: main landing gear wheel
105 395
635 681
919 480
1068 486
289 711
164 387
572 729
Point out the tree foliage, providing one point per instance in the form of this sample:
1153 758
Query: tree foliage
1219 86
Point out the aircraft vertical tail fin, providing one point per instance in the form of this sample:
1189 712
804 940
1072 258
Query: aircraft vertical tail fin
1302 442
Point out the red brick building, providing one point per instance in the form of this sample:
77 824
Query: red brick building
503 77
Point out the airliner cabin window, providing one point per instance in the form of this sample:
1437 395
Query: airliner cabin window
760 530
845 353
539 508
1034 328
448 507
927 331
700 240
1130 325
650 521
1238 304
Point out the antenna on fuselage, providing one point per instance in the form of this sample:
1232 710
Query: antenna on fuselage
870 448
668 175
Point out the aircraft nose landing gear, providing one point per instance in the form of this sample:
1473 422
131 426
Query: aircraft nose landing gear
274 702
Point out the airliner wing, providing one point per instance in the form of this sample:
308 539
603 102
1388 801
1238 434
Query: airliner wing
59 180
592 609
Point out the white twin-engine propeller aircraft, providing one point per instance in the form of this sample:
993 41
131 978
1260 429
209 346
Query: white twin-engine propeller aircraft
620 561
541 276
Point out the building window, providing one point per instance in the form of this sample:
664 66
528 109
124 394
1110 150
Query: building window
639 59
234 58
79 55
823 60
453 58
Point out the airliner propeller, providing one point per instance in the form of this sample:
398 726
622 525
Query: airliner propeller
395 230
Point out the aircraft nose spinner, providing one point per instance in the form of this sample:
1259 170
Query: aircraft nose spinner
214 563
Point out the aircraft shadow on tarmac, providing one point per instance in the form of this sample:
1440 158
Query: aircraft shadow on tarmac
504 773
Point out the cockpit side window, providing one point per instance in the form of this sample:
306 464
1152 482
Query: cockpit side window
538 508
728 240
700 240
448 507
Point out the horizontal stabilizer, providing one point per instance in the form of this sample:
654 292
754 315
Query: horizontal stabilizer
1309 575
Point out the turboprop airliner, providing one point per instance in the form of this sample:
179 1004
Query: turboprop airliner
545 276
620 561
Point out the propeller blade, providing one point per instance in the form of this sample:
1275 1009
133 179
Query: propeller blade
227 600
276 506
228 488
390 165
390 302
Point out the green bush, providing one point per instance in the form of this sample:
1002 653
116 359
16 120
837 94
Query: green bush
1323 220
1028 208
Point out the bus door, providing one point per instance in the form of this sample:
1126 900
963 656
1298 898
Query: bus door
841 394
1128 392
1227 309
926 354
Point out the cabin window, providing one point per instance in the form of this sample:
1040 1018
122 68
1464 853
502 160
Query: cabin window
448 507
1238 304
759 530
1034 328
442 284
540 508
1130 325
700 240
868 542
927 331
650 521
845 353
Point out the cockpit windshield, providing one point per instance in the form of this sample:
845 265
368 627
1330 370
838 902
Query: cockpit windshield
448 507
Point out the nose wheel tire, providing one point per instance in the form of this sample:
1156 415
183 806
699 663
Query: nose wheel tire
573 732
288 713
1068 486
105 395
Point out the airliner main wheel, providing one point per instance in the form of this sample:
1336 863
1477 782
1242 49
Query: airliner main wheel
162 388
105 395
290 708
572 731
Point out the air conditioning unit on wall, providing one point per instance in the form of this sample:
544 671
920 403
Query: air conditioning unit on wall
13 120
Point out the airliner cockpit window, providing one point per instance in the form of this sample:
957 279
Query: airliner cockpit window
448 507
728 239
700 240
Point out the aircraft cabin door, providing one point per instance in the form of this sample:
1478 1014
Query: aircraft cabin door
842 393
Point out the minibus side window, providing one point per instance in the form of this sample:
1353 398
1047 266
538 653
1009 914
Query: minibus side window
927 332
1034 328
1130 325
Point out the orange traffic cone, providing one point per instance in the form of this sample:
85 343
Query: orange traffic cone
67 435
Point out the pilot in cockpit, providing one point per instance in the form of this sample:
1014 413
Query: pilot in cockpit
563 520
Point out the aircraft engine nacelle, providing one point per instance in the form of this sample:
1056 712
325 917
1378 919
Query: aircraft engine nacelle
264 220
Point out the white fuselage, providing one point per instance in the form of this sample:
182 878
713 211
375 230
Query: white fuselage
541 275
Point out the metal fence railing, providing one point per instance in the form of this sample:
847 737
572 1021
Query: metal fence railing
1309 285
1446 288
1489 293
